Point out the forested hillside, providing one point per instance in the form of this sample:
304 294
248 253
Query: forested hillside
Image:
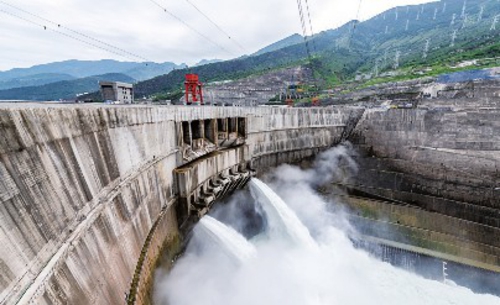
402 41
66 90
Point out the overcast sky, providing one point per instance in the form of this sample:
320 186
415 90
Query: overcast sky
142 28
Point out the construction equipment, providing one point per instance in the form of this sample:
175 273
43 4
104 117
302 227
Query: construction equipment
194 89
292 91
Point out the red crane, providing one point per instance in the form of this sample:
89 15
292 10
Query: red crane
193 89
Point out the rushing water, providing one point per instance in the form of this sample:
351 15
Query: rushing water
282 221
225 240
299 256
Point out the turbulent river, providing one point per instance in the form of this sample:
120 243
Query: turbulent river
262 248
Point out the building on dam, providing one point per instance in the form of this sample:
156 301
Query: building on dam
117 92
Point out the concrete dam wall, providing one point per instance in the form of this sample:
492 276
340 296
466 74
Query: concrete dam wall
435 178
89 195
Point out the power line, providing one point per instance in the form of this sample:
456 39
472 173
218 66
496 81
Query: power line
134 56
355 24
310 24
64 34
191 28
217 26
306 40
304 28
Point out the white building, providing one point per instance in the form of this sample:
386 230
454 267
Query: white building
118 92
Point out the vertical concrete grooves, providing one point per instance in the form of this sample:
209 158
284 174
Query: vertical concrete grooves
81 187
57 168
102 249
444 161
434 142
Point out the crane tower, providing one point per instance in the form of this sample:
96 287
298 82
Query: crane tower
194 89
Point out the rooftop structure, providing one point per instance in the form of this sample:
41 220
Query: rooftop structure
121 93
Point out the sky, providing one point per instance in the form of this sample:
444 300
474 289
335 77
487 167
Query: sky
144 29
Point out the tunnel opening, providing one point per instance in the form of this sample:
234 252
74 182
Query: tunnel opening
233 126
209 128
196 130
186 133
222 125
241 127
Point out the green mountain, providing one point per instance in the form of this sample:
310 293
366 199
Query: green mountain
41 74
436 34
66 90
149 70
207 61
286 42
34 80
238 68
401 42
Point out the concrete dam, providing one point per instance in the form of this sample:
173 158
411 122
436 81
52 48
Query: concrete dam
92 196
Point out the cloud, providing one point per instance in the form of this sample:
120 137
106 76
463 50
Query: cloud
142 28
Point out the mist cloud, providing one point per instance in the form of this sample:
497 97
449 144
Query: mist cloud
333 273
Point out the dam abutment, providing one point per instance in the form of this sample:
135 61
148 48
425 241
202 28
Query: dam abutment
433 177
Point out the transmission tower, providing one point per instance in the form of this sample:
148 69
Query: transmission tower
444 7
396 13
396 59
453 17
464 7
407 25
426 48
481 11
464 21
453 37
386 29
494 23
435 14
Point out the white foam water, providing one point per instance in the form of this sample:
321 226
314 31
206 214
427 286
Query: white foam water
281 220
227 240
324 270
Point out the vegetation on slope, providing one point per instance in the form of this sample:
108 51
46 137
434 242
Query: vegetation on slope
34 80
401 43
62 90
408 42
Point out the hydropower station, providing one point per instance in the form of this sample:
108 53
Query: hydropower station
93 198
